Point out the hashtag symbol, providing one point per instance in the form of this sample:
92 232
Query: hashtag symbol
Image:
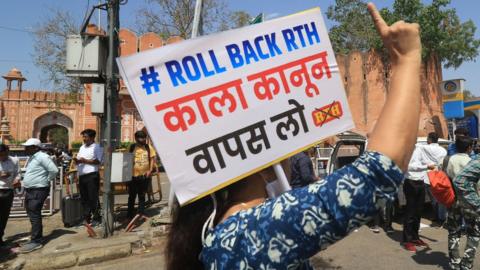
150 80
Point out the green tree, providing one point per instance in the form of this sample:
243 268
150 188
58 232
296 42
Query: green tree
58 136
467 95
442 33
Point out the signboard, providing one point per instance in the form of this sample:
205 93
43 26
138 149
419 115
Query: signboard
221 107
18 205
452 89
452 95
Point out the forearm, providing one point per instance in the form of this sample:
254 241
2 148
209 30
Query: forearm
396 130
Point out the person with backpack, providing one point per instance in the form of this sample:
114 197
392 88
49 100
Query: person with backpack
143 165
461 211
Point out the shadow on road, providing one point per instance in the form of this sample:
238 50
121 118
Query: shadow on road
15 240
321 263
56 234
426 257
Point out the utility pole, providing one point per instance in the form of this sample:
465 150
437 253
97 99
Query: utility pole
110 120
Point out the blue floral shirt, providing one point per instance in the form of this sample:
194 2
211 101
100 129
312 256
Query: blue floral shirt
283 233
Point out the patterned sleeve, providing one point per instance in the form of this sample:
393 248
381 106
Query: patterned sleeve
283 233
465 184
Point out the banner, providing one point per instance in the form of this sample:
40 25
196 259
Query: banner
221 107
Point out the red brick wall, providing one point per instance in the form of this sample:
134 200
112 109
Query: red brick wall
366 82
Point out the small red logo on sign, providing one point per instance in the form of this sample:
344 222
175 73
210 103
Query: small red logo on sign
327 113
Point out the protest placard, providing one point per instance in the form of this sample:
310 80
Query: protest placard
223 106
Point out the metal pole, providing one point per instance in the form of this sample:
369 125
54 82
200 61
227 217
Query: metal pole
197 19
281 177
111 100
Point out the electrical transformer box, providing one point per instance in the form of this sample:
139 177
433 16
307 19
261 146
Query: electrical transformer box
122 167
86 57
98 98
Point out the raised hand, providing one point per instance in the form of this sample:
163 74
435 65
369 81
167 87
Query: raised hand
401 39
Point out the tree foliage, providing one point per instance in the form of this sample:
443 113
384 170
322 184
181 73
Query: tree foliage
175 17
442 32
467 95
50 49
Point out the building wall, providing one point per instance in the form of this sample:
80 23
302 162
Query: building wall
366 82
29 111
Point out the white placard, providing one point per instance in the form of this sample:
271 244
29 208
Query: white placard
223 106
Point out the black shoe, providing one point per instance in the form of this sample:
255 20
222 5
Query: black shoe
389 229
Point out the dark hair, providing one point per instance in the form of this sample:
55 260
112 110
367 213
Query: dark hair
89 132
140 134
4 147
462 143
461 131
433 137
184 242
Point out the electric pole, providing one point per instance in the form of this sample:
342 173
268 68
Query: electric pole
110 120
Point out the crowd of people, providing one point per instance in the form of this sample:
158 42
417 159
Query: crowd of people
42 168
239 227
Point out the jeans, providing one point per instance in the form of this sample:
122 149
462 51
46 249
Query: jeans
89 188
439 209
6 199
34 200
138 186
415 196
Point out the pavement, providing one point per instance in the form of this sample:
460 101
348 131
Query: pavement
363 250
72 247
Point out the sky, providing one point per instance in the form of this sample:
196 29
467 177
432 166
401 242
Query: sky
18 18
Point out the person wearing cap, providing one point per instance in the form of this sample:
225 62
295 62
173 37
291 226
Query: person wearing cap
40 171
9 178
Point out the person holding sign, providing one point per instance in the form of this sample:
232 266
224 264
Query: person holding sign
244 230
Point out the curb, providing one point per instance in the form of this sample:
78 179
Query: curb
88 256
80 257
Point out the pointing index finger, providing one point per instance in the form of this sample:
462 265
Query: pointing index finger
380 24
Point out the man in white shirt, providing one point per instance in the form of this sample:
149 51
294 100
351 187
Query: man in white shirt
424 158
88 160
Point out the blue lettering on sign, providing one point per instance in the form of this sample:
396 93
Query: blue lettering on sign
299 33
150 80
249 53
174 70
235 56
193 68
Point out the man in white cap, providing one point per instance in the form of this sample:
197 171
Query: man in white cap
40 170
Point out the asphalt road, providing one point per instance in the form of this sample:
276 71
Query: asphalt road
360 250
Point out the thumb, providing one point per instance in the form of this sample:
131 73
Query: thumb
380 24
